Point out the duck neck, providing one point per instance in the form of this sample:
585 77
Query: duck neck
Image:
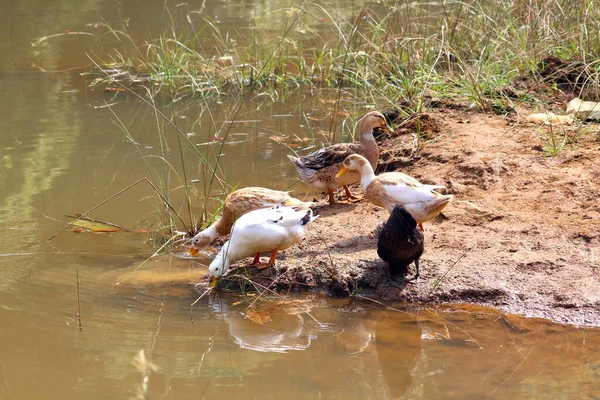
212 232
220 264
367 137
366 176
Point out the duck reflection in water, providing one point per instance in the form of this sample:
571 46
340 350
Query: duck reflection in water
398 345
396 337
285 330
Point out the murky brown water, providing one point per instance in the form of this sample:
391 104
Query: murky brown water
60 153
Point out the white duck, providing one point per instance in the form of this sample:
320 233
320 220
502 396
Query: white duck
239 203
391 188
270 229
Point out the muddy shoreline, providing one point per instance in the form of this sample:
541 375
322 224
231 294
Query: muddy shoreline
521 236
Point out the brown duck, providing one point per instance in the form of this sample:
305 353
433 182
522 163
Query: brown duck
320 168
400 243
238 203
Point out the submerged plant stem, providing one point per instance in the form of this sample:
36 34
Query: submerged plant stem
78 303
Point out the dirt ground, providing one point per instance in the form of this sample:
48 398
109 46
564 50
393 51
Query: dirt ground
522 234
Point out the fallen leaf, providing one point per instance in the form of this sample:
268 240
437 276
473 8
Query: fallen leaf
113 89
99 226
294 307
277 139
550 118
258 317
95 226
237 303
141 231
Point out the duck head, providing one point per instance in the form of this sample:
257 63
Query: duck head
220 264
372 120
354 162
199 241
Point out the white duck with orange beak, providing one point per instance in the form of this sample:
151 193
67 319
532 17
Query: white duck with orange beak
391 188
272 229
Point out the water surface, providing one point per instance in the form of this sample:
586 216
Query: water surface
62 151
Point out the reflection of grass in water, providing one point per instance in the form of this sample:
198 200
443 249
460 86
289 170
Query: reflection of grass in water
161 178
395 53
146 367
32 169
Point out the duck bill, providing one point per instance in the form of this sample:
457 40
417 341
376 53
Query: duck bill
194 251
343 170
388 128
213 282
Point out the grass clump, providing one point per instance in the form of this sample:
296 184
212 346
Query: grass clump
493 56
397 52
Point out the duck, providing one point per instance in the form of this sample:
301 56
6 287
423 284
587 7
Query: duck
320 167
400 243
270 229
392 188
238 203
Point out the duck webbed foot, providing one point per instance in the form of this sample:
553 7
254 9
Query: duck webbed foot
413 280
269 263
331 197
256 260
349 196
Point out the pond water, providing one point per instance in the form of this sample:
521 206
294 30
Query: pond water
62 151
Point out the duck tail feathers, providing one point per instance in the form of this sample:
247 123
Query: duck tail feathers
309 217
378 229
440 203
294 160
298 204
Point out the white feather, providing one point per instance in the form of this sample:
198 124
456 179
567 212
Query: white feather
402 193
261 231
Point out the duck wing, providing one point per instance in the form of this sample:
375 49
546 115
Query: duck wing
277 216
253 198
290 216
329 156
399 241
405 189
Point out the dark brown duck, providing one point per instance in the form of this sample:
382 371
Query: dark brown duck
400 242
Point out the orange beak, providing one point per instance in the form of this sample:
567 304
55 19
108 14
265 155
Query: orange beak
343 170
194 251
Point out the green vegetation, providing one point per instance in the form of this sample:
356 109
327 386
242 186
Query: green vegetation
493 56
397 52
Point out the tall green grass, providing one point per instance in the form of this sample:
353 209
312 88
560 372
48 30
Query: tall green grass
392 53
395 52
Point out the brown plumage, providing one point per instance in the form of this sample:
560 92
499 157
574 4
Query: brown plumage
320 167
239 203
400 242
